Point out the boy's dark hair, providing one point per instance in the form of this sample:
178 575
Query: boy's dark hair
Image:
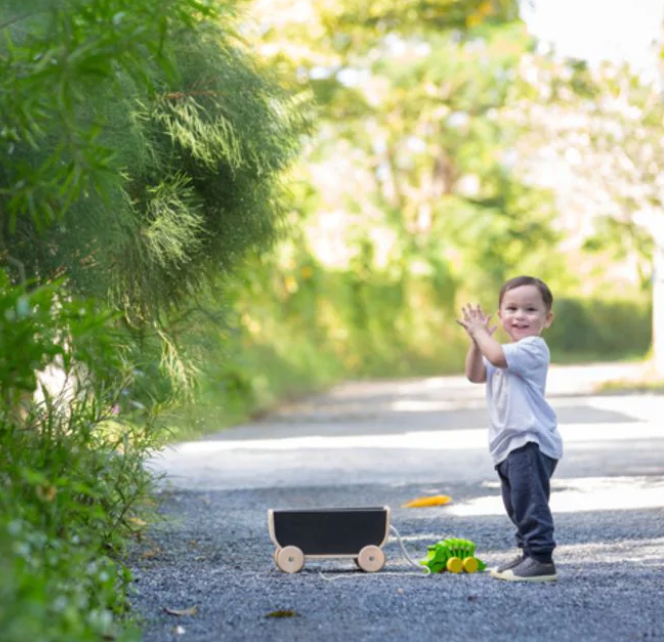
518 281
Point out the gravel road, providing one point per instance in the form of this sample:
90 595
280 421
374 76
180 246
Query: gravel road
383 443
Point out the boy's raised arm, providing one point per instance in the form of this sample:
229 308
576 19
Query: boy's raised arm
476 324
490 348
475 368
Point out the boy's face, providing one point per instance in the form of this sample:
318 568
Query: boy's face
523 313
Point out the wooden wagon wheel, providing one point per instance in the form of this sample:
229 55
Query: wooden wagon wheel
290 559
371 559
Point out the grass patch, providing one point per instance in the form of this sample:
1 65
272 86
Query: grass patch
649 382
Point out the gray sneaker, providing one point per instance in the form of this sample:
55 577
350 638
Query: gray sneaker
528 570
505 566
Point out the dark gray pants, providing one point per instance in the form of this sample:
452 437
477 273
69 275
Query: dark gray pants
524 479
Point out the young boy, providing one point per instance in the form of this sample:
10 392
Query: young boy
523 436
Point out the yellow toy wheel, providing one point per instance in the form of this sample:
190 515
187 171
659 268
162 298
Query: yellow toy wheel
470 565
454 565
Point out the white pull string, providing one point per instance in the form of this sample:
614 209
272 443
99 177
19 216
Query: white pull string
424 570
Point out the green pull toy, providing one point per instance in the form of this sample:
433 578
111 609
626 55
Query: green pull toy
454 555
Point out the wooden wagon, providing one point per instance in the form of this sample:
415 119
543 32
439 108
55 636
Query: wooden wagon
356 533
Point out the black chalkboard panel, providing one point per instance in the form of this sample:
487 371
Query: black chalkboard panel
336 531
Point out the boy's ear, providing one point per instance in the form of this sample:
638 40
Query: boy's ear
549 319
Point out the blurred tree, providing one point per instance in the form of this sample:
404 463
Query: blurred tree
336 33
141 147
602 129
412 134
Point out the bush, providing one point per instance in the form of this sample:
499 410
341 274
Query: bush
149 158
71 478
600 329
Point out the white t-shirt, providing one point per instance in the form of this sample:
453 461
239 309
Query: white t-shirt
518 412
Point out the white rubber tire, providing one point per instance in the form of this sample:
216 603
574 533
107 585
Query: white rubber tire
290 559
371 559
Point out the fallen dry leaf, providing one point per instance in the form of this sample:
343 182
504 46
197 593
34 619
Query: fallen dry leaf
283 613
432 500
192 610
136 521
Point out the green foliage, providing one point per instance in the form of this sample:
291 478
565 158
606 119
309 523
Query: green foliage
39 321
56 590
143 148
71 475
382 16
341 31
596 327
417 137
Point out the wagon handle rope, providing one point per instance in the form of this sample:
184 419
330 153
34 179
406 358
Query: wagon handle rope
423 571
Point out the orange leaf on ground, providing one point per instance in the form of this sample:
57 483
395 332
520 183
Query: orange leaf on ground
432 500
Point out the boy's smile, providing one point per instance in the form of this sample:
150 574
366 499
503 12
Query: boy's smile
523 313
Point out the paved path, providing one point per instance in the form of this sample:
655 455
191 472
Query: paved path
382 443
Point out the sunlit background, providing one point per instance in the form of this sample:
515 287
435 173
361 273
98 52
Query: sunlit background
451 150
597 31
